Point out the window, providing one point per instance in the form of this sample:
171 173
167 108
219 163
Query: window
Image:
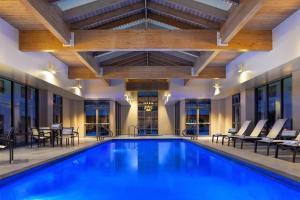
5 105
236 111
19 94
18 106
287 102
32 107
197 116
274 101
57 109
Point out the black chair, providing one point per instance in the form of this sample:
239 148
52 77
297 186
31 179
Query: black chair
39 136
67 133
75 134
7 141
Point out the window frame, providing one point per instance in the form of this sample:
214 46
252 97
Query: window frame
281 81
234 105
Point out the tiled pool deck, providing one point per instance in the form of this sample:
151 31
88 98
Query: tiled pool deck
26 157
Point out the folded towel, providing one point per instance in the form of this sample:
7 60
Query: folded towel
291 143
265 139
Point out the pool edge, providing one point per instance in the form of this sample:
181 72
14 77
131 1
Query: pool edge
240 159
247 161
49 161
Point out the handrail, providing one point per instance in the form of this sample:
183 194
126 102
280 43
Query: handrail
110 133
129 127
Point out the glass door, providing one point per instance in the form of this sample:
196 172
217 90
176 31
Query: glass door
96 117
197 117
147 113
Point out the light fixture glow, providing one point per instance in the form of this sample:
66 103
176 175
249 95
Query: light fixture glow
217 87
51 69
241 68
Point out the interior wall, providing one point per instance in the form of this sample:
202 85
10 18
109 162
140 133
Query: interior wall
217 116
166 117
129 116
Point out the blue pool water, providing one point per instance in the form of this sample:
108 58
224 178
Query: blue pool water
148 169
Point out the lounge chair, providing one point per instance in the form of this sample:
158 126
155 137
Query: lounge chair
230 131
269 140
241 132
290 145
253 136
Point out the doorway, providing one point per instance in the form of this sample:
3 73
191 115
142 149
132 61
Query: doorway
197 117
96 117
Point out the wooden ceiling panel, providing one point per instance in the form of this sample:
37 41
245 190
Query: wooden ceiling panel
69 58
15 13
147 85
224 58
272 14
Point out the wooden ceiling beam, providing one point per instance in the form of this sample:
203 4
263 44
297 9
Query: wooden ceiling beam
203 8
146 72
51 17
145 40
85 9
238 18
203 61
236 21
147 85
108 16
182 15
89 61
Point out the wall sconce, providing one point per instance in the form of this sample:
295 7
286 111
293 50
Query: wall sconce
167 97
78 84
241 68
51 69
217 87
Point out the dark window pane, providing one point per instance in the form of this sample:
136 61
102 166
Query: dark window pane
274 102
236 118
5 105
57 109
32 107
287 101
261 104
19 108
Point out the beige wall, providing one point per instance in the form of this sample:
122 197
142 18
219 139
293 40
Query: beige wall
129 115
166 117
217 116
